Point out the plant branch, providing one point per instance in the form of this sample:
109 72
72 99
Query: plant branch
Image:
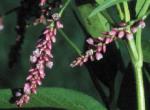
139 46
135 51
120 11
64 7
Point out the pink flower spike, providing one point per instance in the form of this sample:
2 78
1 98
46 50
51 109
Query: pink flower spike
98 56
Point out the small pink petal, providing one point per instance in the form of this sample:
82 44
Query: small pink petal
142 24
134 29
27 89
46 31
98 56
59 25
113 32
129 36
49 65
104 48
90 41
99 48
121 34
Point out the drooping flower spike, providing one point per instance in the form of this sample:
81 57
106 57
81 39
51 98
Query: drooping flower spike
98 46
40 58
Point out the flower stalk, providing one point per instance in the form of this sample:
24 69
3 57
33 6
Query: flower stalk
135 50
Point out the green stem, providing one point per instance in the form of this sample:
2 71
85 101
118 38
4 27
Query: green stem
64 7
139 46
127 12
70 42
144 9
136 55
120 11
133 50
139 88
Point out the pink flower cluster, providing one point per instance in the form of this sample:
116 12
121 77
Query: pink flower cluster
40 58
97 46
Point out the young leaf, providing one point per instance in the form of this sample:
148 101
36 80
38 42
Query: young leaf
94 25
139 5
104 5
142 7
55 98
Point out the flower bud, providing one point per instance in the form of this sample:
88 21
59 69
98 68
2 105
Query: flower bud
129 36
122 24
90 41
142 24
33 59
121 34
134 29
89 52
59 25
113 32
98 56
49 64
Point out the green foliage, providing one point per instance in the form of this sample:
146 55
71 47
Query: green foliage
56 98
142 7
94 25
99 1
104 5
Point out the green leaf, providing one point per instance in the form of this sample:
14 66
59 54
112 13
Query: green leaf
56 98
94 25
99 1
139 5
142 7
104 5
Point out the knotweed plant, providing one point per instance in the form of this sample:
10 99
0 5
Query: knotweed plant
103 29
